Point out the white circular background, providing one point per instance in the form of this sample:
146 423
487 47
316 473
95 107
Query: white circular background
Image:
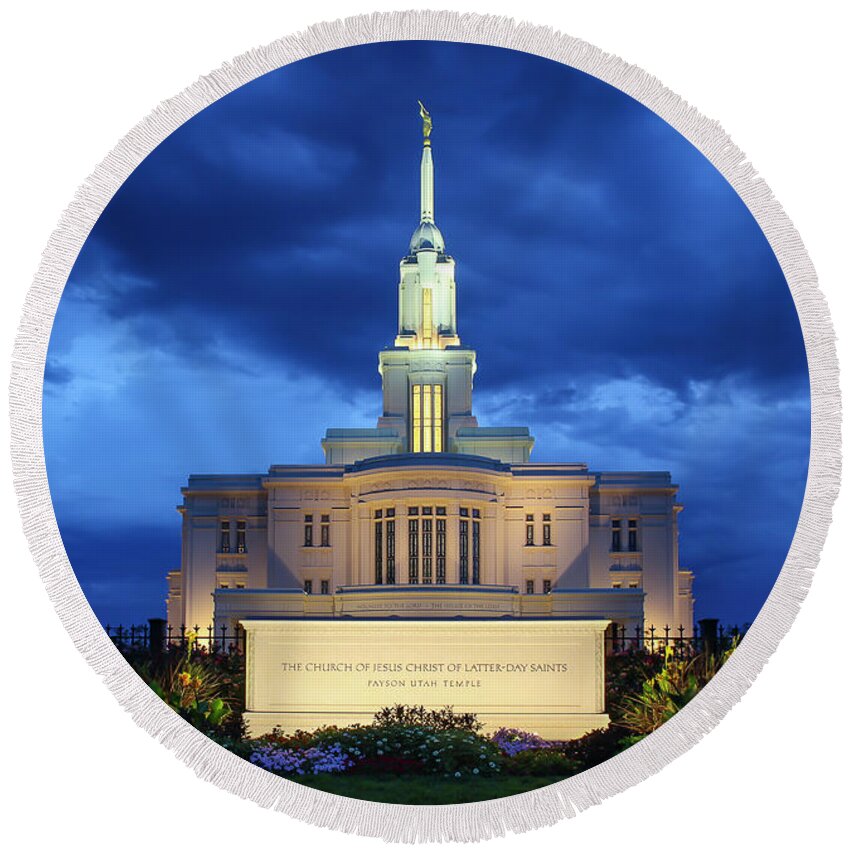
471 821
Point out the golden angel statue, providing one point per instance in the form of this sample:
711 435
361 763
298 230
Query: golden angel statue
425 115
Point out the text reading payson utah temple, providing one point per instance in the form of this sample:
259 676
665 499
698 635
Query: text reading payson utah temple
429 514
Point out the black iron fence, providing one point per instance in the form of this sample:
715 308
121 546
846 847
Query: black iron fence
156 637
708 636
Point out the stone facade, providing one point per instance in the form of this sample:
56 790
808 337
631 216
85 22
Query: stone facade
504 540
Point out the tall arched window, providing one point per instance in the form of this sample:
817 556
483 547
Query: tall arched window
465 526
384 523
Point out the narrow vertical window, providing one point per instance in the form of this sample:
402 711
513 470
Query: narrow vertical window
325 587
529 586
224 536
325 530
241 547
547 585
390 544
463 576
427 318
632 542
616 535
308 529
547 529
529 529
417 418
413 551
427 418
441 551
308 586
438 417
476 548
427 553
379 549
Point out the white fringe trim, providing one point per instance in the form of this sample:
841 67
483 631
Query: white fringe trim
473 821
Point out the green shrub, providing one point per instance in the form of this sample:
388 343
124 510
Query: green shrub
233 727
206 689
418 715
668 691
295 740
595 747
625 674
545 762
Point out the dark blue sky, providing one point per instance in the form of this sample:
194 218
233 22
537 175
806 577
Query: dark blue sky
230 302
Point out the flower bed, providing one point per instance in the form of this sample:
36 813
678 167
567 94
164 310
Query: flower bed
410 748
447 752
456 751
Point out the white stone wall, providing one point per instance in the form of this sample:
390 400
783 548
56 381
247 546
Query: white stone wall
204 567
428 272
578 558
650 500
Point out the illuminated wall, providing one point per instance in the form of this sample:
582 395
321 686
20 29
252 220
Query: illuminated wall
543 532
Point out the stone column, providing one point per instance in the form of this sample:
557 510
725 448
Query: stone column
402 547
366 571
493 566
453 544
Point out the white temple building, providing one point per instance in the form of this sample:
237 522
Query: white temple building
429 514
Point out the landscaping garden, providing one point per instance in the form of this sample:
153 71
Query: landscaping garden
413 755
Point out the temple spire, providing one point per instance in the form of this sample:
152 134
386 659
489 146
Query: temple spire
427 317
427 236
427 168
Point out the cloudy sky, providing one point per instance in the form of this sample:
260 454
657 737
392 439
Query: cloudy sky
232 298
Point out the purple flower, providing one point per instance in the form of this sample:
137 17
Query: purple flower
314 760
513 741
